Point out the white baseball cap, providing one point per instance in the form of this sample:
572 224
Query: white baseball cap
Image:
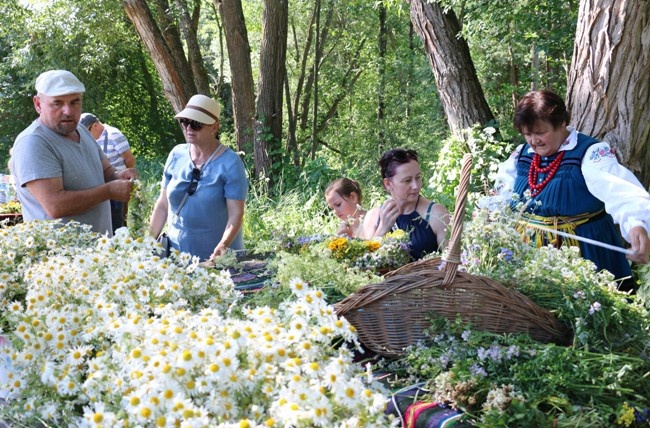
58 82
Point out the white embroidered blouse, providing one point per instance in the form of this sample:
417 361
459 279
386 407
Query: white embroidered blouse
624 196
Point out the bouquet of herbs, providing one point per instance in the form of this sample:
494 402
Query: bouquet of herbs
10 207
511 380
603 379
380 254
602 318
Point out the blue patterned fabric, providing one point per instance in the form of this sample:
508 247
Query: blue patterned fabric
567 195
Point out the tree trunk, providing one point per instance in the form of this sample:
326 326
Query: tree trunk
293 109
199 73
168 58
514 75
243 89
317 61
609 82
409 90
268 124
381 84
458 86
534 67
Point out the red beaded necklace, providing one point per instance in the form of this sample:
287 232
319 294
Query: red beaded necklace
535 168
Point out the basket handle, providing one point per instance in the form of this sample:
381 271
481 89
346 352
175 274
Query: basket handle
452 257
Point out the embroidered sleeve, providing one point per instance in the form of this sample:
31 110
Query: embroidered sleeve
624 196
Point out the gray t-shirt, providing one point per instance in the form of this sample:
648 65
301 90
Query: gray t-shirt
40 153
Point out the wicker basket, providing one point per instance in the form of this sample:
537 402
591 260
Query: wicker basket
393 314
415 267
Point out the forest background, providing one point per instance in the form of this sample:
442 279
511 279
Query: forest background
313 90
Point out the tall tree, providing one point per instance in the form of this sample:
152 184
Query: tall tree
189 24
241 71
381 84
301 68
268 123
317 62
609 82
310 66
160 35
458 85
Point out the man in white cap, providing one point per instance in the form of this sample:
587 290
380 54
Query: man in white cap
59 170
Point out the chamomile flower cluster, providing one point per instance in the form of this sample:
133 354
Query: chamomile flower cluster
108 334
27 243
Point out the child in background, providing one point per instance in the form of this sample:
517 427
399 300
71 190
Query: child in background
344 197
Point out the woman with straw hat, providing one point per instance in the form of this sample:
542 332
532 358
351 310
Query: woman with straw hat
203 189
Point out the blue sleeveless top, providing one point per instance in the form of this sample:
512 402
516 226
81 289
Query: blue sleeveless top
422 240
567 195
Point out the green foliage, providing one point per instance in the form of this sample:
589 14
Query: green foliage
643 292
487 150
143 197
291 214
353 137
505 36
602 319
324 273
513 381
96 42
601 380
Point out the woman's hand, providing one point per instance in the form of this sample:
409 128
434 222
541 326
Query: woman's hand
219 250
640 245
388 214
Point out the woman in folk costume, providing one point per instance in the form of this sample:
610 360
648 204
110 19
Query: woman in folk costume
575 185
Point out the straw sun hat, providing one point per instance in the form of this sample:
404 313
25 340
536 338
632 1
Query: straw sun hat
202 109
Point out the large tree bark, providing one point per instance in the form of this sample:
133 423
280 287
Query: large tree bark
243 90
161 37
609 83
460 91
268 124
171 65
189 27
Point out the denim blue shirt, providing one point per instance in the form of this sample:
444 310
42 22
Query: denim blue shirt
201 222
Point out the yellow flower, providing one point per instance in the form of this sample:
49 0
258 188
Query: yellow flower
373 245
396 234
627 415
337 244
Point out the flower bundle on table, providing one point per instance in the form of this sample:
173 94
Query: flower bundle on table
156 342
388 252
378 254
10 207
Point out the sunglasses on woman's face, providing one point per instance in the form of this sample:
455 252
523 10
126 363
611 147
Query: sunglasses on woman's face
194 183
196 126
